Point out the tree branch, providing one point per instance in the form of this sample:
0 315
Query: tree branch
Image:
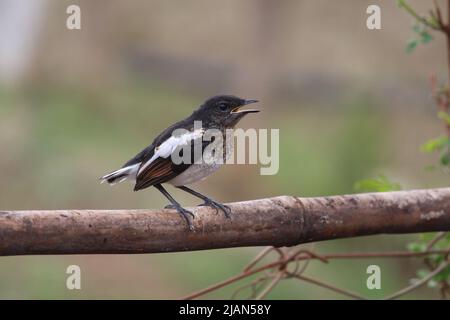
279 221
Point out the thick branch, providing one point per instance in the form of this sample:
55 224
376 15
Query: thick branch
280 221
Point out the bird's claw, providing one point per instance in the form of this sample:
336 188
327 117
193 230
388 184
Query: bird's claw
184 213
218 206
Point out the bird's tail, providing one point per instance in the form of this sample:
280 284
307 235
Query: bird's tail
122 174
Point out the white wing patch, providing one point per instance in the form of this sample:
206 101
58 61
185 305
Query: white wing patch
165 149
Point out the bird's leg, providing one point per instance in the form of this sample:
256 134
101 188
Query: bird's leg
175 205
208 201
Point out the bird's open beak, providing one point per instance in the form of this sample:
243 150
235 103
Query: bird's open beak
249 101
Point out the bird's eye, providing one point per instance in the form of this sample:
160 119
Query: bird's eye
223 107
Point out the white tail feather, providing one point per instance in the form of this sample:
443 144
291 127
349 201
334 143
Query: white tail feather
121 174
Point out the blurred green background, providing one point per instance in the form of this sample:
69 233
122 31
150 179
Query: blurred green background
74 105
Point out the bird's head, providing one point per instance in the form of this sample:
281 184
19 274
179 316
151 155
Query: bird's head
225 111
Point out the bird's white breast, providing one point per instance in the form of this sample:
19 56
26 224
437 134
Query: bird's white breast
194 173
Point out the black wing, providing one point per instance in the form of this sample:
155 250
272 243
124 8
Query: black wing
163 169
147 153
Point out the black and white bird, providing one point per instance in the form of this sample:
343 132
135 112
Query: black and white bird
154 165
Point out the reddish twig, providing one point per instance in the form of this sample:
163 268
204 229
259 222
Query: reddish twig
392 254
310 255
262 255
419 283
254 285
328 286
277 278
436 239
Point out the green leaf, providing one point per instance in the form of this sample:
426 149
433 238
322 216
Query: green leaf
433 260
434 144
445 158
422 273
423 36
444 116
426 37
443 275
432 284
417 246
377 184
411 45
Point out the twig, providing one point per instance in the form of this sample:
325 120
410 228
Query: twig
230 280
254 285
443 104
279 263
261 256
419 283
328 286
307 262
271 285
309 254
392 254
435 240
412 12
438 15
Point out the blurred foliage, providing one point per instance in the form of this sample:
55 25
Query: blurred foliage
432 261
423 36
440 145
378 184
421 29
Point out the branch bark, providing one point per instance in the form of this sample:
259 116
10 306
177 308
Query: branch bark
279 221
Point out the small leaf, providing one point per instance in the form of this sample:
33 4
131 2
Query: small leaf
445 158
433 20
442 276
377 184
432 284
411 45
434 144
433 260
417 246
444 116
422 273
426 37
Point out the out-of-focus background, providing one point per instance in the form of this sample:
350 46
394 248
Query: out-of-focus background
75 104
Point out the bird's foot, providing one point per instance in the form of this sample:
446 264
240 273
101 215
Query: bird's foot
184 213
218 206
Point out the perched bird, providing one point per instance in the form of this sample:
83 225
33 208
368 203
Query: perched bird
154 165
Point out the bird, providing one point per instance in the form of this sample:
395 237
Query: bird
155 164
